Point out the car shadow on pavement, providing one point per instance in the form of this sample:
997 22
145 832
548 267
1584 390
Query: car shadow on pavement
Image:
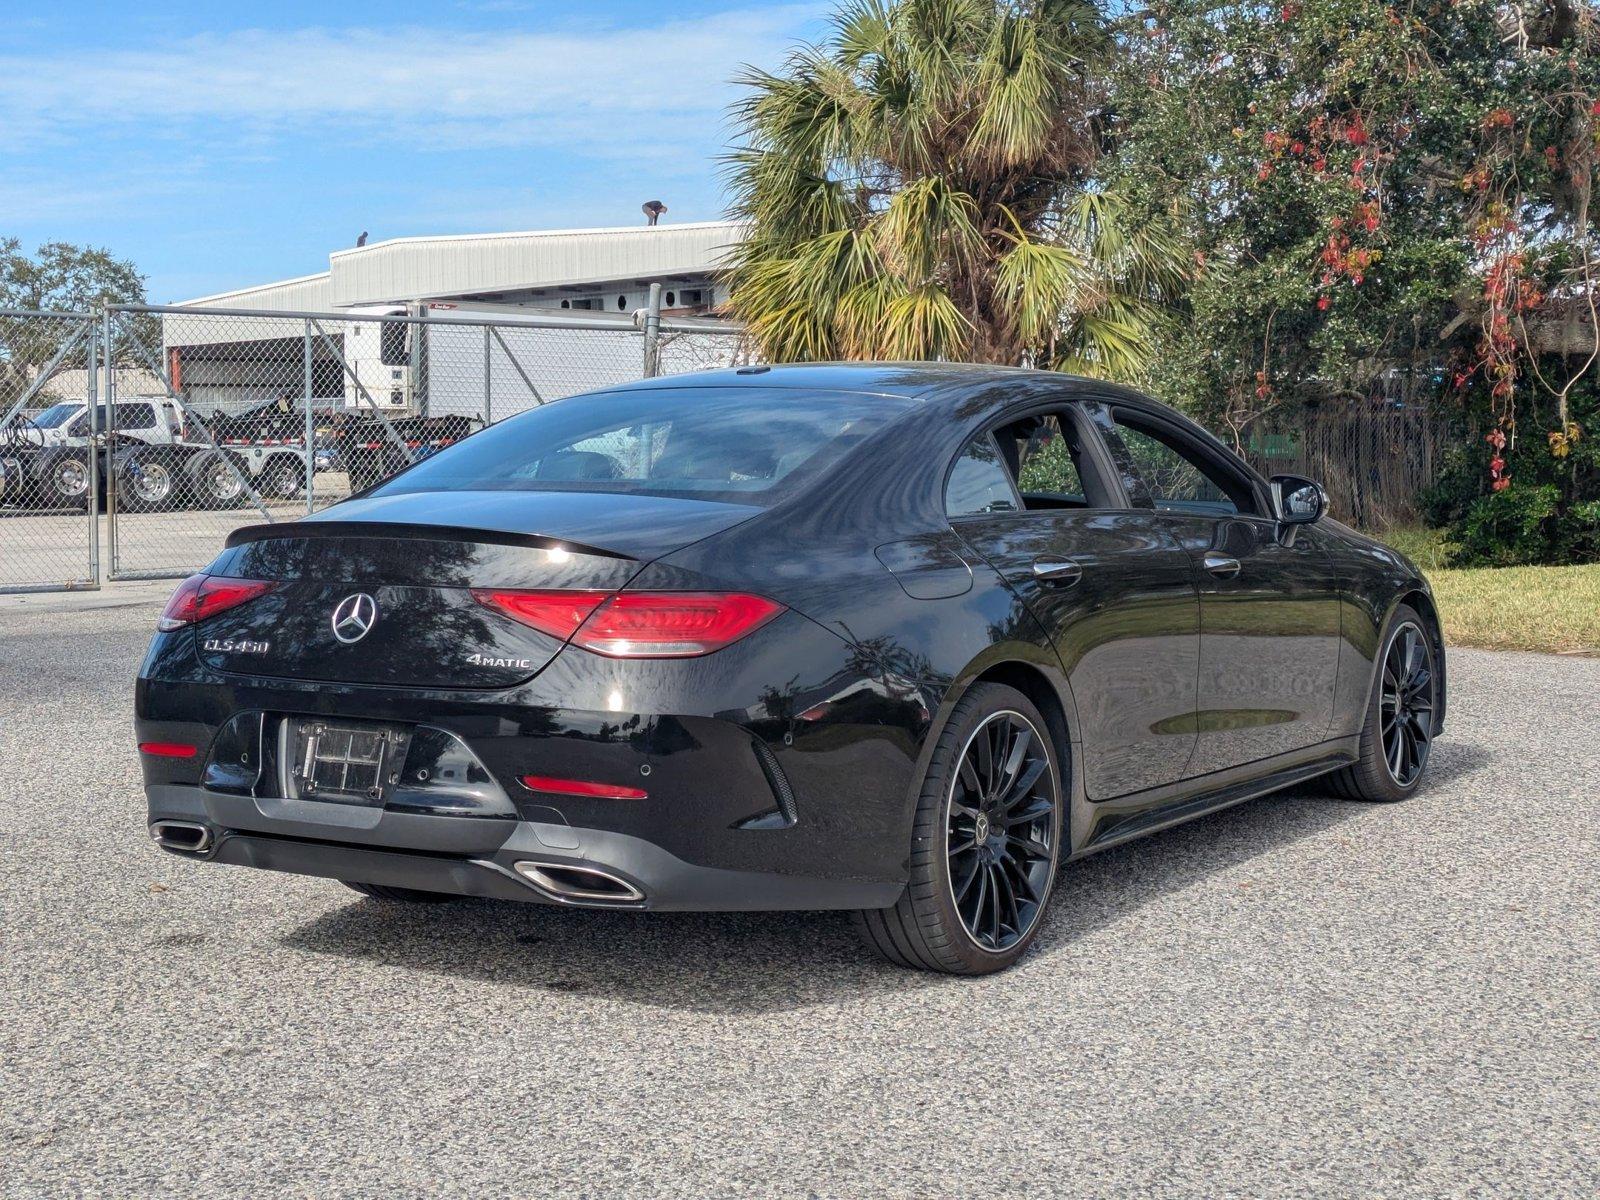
737 963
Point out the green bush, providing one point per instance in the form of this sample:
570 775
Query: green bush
1550 512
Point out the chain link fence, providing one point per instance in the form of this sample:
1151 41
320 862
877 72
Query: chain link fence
133 441
48 530
139 438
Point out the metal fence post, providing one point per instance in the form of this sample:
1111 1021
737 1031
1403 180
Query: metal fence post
652 334
91 362
311 429
488 368
110 389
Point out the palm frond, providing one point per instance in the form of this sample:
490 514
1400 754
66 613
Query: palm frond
924 323
927 223
1039 281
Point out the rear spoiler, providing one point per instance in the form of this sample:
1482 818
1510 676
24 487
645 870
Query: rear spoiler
401 531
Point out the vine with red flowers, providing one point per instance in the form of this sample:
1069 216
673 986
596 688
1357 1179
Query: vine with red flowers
1387 201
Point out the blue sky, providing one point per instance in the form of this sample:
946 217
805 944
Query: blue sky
219 144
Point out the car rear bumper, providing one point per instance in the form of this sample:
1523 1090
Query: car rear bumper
481 856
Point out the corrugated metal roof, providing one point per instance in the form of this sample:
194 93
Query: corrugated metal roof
308 293
425 267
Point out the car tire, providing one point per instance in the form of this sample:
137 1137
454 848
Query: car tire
380 891
1406 739
999 833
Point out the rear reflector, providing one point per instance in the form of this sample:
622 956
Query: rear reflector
581 787
168 749
202 596
637 624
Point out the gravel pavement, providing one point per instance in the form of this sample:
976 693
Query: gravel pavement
1297 997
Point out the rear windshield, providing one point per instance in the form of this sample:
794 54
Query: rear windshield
744 445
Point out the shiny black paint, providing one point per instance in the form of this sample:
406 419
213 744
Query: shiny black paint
1126 633
1176 693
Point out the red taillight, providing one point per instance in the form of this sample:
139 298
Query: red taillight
202 596
581 787
673 624
557 613
168 749
638 624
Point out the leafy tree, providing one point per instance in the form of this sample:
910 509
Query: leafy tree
62 277
1384 200
922 186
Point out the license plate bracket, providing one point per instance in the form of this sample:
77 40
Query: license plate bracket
342 762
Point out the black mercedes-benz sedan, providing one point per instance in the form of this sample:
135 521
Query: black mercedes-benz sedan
896 639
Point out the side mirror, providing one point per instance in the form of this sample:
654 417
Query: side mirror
1298 501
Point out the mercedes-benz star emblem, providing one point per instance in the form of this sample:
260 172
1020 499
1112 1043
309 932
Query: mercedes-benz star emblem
354 618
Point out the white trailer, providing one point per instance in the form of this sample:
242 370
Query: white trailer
492 361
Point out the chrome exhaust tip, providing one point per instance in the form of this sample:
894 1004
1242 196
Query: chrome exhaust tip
186 837
578 885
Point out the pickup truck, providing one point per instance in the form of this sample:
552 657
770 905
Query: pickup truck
161 459
44 460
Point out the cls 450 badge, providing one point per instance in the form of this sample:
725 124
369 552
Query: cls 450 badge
230 646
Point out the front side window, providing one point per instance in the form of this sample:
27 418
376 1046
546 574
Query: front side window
978 482
1179 477
743 445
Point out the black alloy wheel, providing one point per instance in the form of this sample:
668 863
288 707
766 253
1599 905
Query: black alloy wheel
1402 716
987 837
1406 698
1001 831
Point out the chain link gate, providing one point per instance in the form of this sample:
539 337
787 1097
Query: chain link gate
49 486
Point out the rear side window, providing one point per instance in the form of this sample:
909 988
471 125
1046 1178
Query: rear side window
1045 464
743 445
978 482
1181 478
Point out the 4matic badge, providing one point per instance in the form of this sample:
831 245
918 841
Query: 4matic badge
485 660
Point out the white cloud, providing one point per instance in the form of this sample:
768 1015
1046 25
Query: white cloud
585 87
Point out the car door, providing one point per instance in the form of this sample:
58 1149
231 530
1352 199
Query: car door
1269 594
1037 498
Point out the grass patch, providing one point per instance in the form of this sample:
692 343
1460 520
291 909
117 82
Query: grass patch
1555 610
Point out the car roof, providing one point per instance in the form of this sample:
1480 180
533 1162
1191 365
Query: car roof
930 382
915 380
936 385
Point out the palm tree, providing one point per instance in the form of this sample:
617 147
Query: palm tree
921 185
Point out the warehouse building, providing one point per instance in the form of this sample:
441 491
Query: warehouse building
532 284
564 270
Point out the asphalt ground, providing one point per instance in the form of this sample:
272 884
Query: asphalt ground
1300 996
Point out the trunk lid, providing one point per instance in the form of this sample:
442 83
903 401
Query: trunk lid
419 624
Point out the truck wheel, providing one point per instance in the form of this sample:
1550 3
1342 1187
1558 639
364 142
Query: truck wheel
213 483
147 483
284 480
66 480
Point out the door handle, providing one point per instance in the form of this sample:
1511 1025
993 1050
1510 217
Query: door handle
1220 565
1056 570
